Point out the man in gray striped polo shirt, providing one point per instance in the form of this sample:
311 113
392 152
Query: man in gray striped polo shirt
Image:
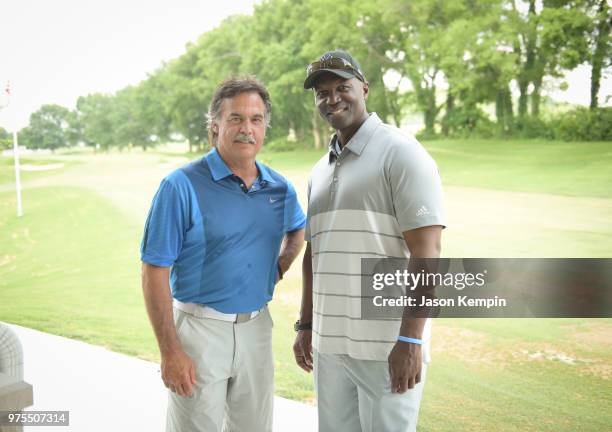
377 193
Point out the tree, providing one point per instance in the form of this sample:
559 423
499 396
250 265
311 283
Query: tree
151 109
49 127
74 133
551 38
418 48
357 27
192 78
457 57
274 54
6 140
600 44
94 112
127 130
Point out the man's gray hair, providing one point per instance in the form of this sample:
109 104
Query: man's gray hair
230 88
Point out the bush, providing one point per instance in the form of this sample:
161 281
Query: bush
468 121
583 124
533 127
282 145
423 135
465 121
6 140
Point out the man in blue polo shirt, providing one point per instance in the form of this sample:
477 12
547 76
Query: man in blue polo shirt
211 255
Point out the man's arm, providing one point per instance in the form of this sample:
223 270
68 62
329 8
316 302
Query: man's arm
178 371
290 249
302 348
405 360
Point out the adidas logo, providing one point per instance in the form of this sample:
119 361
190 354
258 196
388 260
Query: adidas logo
422 211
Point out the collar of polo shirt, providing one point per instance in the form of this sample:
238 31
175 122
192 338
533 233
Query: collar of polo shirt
361 138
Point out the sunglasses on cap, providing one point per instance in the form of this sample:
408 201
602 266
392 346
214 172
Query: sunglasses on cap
334 63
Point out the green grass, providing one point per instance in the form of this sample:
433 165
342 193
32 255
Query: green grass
563 168
566 168
291 381
71 267
302 160
489 382
470 397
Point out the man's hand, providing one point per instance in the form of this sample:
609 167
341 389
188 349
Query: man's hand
178 372
405 363
302 349
406 359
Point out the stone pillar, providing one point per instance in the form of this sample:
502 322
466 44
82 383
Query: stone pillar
15 394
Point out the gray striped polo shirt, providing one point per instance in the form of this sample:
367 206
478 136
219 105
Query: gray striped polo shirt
359 203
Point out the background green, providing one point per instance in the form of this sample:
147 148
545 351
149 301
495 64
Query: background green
468 68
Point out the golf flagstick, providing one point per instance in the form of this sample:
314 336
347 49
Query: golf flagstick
17 174
7 91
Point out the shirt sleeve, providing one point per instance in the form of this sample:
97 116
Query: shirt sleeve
416 188
294 216
165 227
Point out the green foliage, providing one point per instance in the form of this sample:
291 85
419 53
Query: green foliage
94 112
134 116
583 124
6 140
533 127
134 124
49 128
469 121
447 59
283 144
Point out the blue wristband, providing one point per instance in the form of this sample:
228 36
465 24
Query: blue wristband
410 340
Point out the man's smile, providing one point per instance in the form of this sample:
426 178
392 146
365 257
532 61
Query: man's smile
336 111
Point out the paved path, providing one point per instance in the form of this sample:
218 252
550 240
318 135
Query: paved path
106 391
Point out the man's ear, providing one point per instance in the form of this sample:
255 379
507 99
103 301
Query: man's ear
366 90
215 127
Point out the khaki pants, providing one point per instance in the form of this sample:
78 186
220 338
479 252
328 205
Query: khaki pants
355 396
234 388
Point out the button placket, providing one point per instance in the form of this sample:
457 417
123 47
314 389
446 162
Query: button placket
335 176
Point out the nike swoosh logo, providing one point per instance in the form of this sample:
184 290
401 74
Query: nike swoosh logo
272 201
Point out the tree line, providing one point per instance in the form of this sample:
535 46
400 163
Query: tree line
447 59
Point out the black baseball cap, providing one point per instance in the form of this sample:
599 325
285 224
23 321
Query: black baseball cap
338 62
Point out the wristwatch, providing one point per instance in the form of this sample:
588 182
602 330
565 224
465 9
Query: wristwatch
301 326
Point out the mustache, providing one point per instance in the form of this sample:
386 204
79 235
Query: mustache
244 138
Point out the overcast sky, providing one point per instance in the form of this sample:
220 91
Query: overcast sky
55 51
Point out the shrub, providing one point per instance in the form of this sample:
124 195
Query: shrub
533 127
423 135
281 145
469 121
583 124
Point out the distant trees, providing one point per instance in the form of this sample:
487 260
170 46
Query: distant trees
6 141
448 59
51 127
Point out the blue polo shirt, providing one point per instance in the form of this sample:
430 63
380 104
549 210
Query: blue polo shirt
221 240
